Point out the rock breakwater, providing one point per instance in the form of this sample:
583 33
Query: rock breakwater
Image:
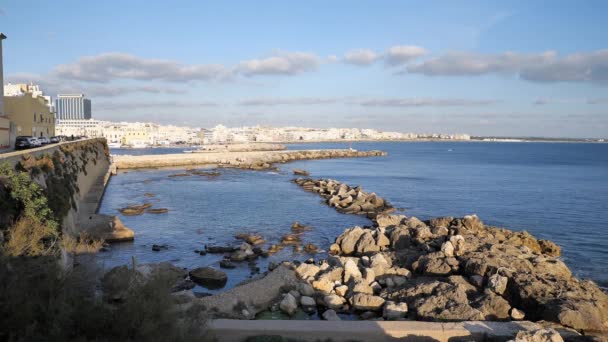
447 269
344 198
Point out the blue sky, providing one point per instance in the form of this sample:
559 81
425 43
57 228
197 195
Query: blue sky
480 67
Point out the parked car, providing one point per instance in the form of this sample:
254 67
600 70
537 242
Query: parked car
24 142
44 140
37 142
55 140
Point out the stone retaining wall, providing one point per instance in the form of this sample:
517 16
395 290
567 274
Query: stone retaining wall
90 169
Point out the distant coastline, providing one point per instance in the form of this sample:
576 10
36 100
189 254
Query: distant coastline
472 140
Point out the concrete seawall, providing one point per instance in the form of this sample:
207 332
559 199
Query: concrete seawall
337 331
253 160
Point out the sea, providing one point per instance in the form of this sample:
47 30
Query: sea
555 191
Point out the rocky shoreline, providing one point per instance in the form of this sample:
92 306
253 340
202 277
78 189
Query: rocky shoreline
402 268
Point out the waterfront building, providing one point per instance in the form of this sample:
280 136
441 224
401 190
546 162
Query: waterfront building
221 134
90 128
30 114
73 107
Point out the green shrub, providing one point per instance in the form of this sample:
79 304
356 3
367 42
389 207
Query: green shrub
27 199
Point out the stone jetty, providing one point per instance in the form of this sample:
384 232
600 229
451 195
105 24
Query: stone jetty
255 160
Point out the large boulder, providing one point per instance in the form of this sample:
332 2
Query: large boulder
348 240
394 311
366 244
288 305
387 220
308 304
379 264
438 301
472 222
539 335
106 227
498 283
414 223
333 301
437 222
382 240
333 274
351 271
307 270
246 300
400 238
117 282
459 244
493 307
436 264
366 302
209 277
580 305
324 285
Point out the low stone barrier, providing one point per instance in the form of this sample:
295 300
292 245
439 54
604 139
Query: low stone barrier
337 331
257 160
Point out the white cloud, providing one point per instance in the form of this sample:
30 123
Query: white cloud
361 57
540 67
116 65
113 106
288 101
423 102
283 63
53 85
113 90
402 54
367 102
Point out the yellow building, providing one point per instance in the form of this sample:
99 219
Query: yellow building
136 135
5 132
31 115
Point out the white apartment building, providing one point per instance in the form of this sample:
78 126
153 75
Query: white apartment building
90 128
73 107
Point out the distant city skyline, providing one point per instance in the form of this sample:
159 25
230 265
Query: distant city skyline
491 68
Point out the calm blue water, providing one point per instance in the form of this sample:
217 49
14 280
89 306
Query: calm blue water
556 191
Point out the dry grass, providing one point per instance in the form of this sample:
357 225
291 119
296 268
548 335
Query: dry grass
83 244
28 237
40 302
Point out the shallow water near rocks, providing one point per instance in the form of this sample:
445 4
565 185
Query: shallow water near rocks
211 211
556 191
